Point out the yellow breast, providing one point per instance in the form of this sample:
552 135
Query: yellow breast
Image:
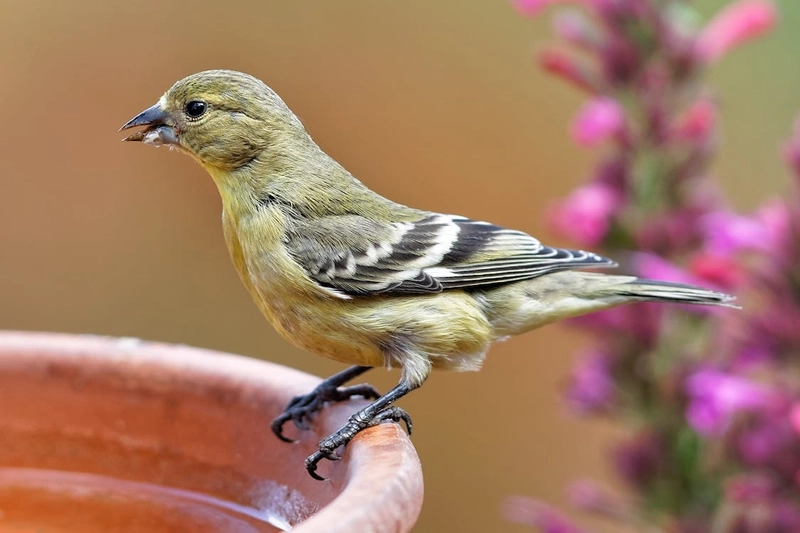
448 328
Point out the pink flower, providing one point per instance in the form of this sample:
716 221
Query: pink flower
641 459
769 442
530 512
614 172
601 118
755 503
697 122
752 355
575 28
728 233
531 8
774 216
592 386
787 516
587 496
791 151
737 23
567 68
716 397
652 266
757 445
749 488
640 323
794 417
584 215
722 271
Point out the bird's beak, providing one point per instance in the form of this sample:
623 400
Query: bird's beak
159 128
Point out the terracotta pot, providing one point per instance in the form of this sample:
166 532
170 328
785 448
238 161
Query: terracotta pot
116 435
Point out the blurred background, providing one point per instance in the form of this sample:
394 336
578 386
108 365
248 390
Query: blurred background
434 104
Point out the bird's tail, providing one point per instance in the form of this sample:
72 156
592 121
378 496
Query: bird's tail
667 291
525 305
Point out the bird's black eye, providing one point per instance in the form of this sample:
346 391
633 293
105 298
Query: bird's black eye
195 108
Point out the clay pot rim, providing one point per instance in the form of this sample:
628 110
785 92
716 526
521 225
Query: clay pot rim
362 472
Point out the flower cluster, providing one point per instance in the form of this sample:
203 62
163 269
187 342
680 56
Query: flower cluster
712 398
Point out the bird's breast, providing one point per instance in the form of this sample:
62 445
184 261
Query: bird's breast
447 328
300 310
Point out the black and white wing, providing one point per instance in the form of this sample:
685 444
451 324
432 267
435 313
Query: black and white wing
352 255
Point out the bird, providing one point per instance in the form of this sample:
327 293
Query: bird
348 274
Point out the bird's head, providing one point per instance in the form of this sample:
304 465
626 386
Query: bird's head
222 118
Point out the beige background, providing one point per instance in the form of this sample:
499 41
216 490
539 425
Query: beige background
435 104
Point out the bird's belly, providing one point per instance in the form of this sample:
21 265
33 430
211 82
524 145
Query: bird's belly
447 329
313 320
316 328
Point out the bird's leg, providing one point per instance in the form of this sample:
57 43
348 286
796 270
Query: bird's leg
301 408
371 415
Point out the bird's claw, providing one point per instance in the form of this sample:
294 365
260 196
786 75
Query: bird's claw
395 414
311 465
357 423
302 408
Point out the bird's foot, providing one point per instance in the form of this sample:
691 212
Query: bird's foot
358 422
301 409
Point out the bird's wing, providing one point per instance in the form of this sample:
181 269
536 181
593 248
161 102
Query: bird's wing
353 255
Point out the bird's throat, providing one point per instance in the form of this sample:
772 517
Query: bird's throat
239 192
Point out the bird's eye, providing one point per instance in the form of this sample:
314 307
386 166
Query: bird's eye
195 108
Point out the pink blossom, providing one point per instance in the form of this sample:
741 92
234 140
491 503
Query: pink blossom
786 516
697 122
728 233
620 60
531 512
715 397
531 8
774 216
768 442
575 28
722 271
591 386
757 505
584 215
765 441
671 230
749 488
640 323
791 151
735 24
654 267
641 459
794 417
752 354
601 118
614 172
566 67
586 495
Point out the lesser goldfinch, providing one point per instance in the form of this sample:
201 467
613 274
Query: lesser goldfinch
347 274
